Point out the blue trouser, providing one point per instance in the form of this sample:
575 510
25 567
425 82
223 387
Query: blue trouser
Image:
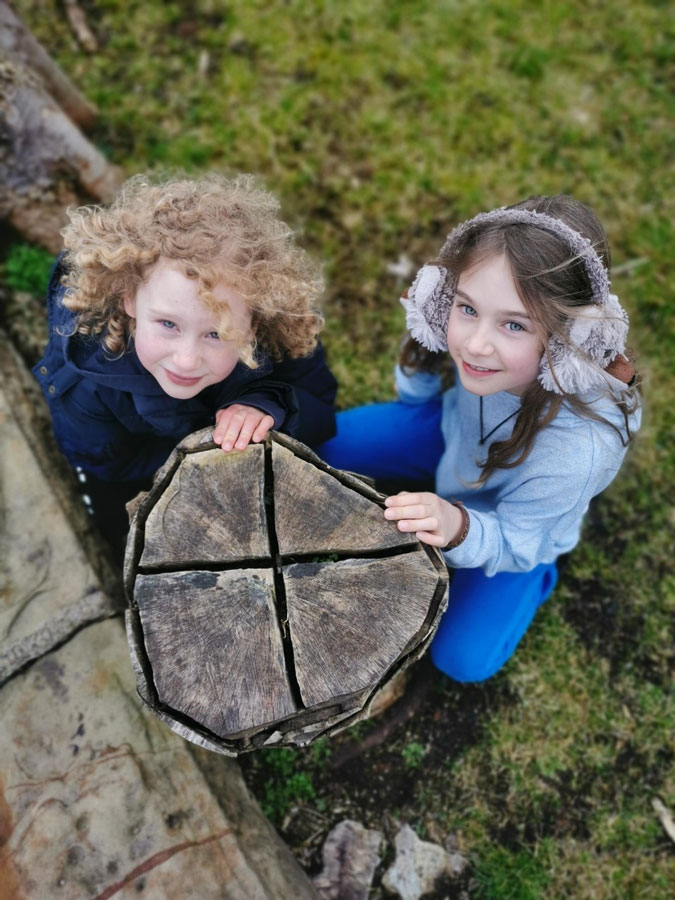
400 445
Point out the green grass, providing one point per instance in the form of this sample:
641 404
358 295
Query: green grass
413 755
380 125
285 786
501 875
27 268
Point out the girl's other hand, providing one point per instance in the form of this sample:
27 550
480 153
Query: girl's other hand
238 425
434 520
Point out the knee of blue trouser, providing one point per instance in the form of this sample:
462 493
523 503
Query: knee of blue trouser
460 664
372 440
480 633
549 581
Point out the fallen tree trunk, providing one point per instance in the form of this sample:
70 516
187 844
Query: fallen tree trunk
97 797
46 162
17 42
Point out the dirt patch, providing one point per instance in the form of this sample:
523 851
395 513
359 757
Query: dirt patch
383 787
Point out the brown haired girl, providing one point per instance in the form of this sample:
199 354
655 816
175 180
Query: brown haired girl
184 303
536 425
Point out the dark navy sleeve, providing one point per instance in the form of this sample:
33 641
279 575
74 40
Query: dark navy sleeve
299 394
91 436
315 389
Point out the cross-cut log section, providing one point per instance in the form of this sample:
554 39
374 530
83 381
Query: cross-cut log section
351 620
316 513
269 596
214 646
212 511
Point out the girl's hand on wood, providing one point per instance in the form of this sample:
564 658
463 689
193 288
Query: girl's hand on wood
434 520
238 425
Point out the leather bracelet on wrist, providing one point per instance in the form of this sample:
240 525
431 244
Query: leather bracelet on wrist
466 522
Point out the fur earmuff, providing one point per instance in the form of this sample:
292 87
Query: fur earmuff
597 335
428 307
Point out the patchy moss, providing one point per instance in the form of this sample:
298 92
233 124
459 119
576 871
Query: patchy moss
27 268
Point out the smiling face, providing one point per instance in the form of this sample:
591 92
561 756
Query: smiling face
491 337
176 337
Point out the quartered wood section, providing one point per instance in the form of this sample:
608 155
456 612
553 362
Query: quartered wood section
227 523
269 598
215 649
316 513
351 620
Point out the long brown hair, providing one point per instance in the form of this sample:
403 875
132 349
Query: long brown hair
551 282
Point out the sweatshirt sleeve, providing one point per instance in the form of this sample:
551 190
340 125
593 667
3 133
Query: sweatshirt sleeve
416 387
540 516
314 389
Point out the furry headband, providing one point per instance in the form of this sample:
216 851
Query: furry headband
597 332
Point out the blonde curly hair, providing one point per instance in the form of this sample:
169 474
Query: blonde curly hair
216 229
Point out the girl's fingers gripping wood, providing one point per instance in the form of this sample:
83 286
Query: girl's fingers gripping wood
236 425
416 511
433 519
228 425
413 512
431 537
403 498
248 425
265 424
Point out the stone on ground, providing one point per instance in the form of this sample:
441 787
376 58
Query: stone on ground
350 857
418 866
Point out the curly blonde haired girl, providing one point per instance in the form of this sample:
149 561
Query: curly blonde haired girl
216 229
184 303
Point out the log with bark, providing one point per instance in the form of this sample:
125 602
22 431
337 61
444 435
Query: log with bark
97 797
46 162
269 600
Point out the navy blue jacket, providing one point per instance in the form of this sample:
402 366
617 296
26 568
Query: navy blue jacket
111 417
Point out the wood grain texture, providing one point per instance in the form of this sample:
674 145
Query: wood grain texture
315 513
214 646
211 511
351 620
205 626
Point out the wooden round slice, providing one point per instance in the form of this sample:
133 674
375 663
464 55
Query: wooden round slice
269 599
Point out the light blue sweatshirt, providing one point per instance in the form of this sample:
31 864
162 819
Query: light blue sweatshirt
532 513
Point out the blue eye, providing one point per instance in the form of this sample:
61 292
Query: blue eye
516 326
214 335
467 310
166 323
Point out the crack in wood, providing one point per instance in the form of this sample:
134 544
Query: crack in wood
279 584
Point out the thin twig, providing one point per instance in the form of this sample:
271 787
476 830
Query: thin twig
78 22
665 817
400 713
628 267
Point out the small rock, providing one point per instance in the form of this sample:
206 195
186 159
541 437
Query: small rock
419 865
350 857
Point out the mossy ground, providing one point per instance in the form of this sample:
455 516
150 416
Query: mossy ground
380 125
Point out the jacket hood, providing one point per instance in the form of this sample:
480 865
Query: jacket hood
86 357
